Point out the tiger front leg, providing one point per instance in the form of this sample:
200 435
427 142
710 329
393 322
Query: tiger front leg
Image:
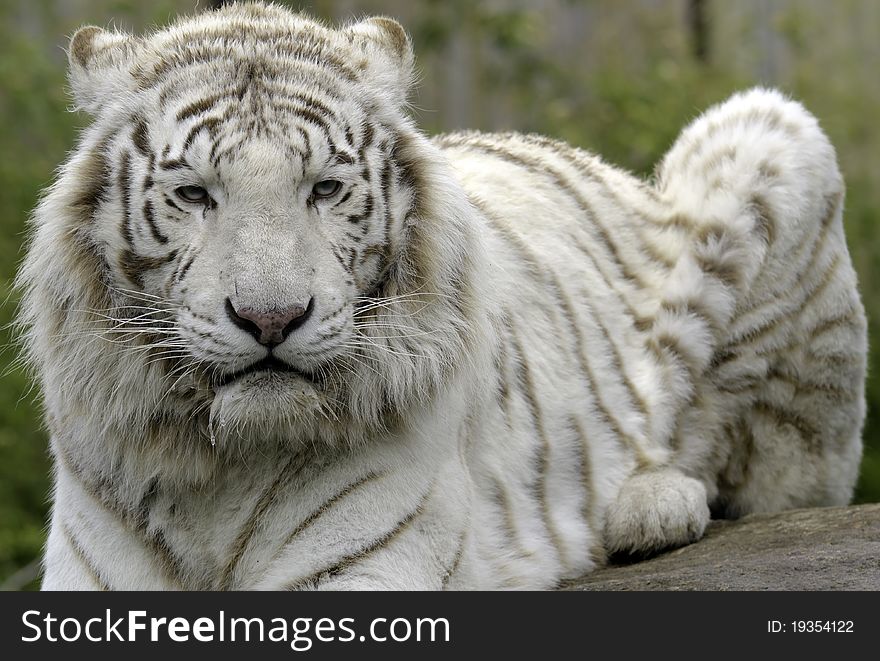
655 510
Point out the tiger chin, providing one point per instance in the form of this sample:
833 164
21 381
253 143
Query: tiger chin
287 341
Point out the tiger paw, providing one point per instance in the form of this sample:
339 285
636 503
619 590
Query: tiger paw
654 511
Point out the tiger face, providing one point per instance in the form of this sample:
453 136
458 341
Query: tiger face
273 219
259 202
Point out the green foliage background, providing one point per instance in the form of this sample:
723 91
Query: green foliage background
625 93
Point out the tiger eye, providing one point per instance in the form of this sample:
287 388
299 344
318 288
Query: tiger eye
192 194
326 188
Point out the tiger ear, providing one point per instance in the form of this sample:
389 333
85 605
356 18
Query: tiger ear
99 66
389 52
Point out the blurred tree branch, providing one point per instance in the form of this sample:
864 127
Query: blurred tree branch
699 28
22 578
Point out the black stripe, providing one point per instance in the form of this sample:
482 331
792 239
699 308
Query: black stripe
326 507
97 181
215 145
209 123
247 531
333 313
385 184
84 559
543 169
307 150
456 561
366 213
639 321
785 417
125 193
276 87
588 511
693 308
587 164
343 199
665 343
140 137
527 388
540 272
766 117
834 391
196 54
200 106
171 204
134 266
850 319
507 525
768 325
343 158
368 133
814 251
182 272
322 337
148 499
282 93
378 544
104 493
765 222
312 117
338 255
151 222
235 144
174 164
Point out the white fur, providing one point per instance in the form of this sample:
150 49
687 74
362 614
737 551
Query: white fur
554 360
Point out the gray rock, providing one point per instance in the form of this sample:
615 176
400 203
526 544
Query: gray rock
833 548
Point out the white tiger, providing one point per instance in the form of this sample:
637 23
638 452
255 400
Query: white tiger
287 341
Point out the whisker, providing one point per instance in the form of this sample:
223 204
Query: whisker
362 309
351 356
414 292
388 350
142 295
415 332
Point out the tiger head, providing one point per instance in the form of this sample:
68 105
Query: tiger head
251 237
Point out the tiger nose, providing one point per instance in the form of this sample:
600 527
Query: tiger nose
269 327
